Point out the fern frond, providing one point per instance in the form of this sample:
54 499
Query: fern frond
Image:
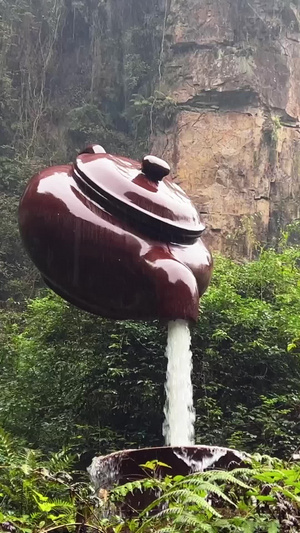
165 513
249 472
179 518
62 460
35 516
207 486
194 522
188 497
30 460
221 475
175 510
184 497
62 504
8 453
131 486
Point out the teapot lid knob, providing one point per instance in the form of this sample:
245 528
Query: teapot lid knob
154 168
93 149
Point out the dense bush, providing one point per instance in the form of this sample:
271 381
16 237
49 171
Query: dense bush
35 492
245 359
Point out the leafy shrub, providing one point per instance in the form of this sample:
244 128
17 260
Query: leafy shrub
34 492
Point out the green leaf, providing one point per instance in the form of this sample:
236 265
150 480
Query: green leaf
273 527
40 496
266 498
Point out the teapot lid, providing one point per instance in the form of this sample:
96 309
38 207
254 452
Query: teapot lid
144 192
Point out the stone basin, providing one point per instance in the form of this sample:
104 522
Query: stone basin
126 466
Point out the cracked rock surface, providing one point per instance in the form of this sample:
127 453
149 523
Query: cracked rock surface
233 69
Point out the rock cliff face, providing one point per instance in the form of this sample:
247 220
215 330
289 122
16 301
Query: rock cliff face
233 69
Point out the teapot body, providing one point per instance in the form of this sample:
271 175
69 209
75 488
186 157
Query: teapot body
103 263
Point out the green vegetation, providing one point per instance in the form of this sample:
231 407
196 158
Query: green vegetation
72 379
260 498
34 492
39 495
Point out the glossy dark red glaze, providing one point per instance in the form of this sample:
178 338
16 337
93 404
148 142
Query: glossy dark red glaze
109 252
121 179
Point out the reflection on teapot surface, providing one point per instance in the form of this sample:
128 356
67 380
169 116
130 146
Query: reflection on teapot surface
115 241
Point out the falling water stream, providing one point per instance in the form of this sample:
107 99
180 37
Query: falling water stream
178 427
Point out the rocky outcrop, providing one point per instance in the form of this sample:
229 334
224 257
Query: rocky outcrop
233 69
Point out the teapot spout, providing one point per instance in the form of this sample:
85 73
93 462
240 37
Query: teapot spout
175 285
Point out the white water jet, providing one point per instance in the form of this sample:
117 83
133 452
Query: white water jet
178 427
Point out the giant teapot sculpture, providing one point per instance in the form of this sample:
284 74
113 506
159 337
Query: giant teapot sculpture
116 238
